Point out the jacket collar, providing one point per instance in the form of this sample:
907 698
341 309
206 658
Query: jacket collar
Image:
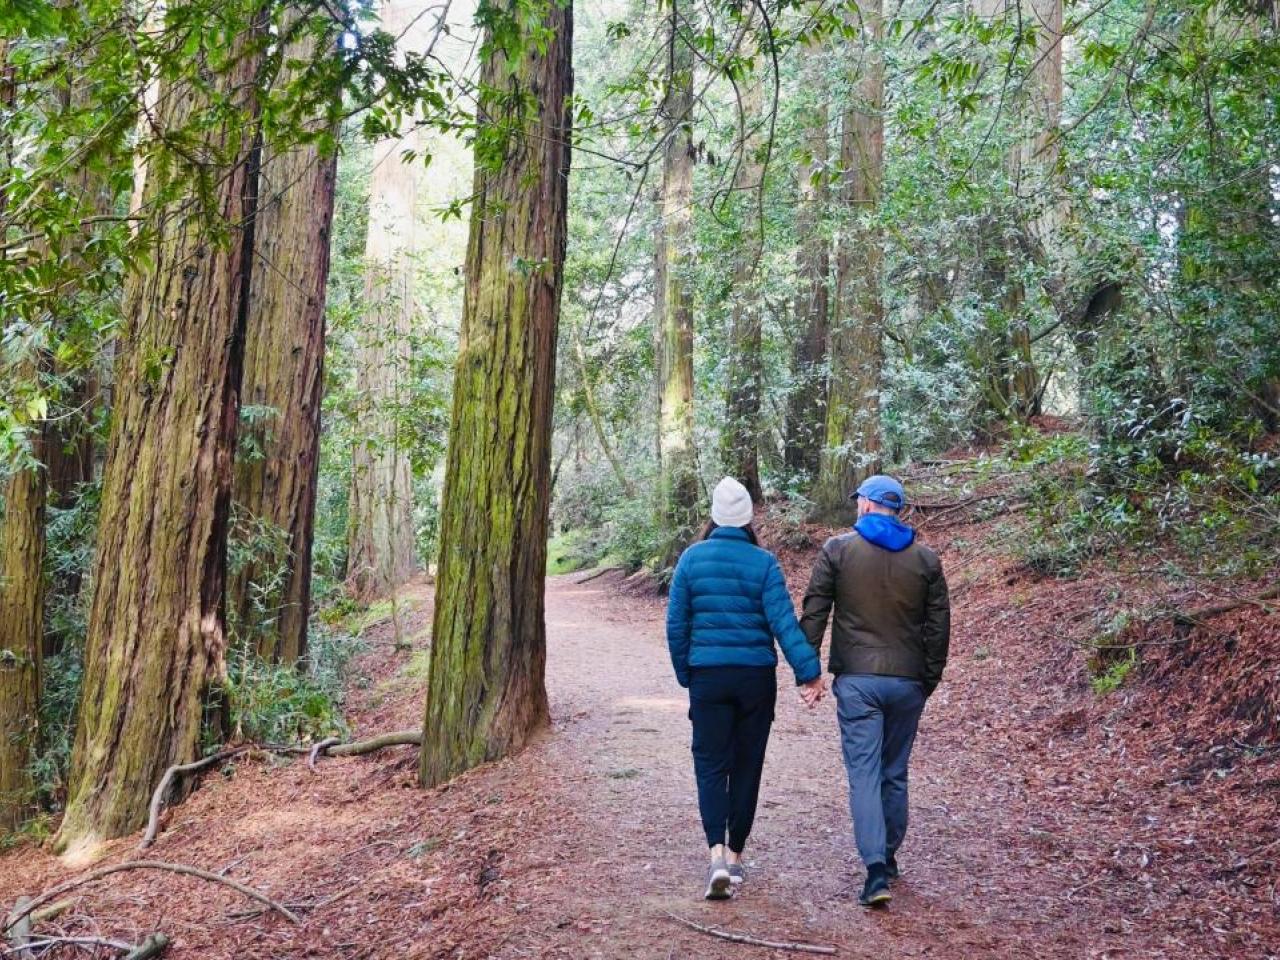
728 533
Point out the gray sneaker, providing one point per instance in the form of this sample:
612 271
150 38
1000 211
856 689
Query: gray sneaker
737 873
719 884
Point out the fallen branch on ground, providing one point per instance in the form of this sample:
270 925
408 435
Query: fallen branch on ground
597 573
754 941
1191 618
50 941
157 797
153 946
26 909
320 748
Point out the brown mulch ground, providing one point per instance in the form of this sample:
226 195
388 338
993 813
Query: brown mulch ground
1047 821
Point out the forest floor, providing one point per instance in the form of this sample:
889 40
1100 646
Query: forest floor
1047 821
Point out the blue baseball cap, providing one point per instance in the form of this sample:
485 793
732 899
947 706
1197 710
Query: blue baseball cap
883 490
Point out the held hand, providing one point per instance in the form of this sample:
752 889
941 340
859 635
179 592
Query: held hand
812 692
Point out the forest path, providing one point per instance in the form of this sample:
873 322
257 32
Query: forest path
984 874
1039 829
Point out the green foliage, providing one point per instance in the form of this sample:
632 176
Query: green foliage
1114 675
278 703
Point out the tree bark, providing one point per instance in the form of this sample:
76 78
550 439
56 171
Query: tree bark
21 584
807 402
156 639
853 442
673 304
283 371
380 543
21 634
741 438
485 692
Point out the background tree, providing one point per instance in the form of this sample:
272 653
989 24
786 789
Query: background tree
381 549
678 485
485 692
853 441
275 476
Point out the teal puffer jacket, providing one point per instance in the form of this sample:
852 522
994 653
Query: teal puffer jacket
728 603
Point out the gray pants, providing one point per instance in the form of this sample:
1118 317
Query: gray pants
878 720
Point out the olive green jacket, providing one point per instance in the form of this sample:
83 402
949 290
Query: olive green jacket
892 613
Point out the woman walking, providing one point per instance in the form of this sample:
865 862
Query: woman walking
728 604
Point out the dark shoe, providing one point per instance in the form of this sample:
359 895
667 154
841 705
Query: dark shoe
891 868
718 882
737 873
875 892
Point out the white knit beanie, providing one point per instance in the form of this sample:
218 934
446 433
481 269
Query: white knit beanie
730 504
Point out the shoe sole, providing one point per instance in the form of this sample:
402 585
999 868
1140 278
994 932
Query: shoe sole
720 887
877 899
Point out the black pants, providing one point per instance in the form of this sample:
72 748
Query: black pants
732 710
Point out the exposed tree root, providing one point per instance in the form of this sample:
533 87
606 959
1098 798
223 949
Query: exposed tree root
157 797
597 573
754 941
361 747
24 910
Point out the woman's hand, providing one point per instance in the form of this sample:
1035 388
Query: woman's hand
812 692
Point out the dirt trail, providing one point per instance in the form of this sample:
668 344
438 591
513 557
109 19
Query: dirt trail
1024 843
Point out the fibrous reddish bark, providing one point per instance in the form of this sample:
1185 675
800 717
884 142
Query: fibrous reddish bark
486 695
155 639
380 540
283 371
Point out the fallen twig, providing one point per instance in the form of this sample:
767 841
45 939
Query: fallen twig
51 941
1191 618
754 941
29 907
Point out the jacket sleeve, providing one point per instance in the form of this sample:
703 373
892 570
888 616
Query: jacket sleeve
782 621
937 629
679 613
818 598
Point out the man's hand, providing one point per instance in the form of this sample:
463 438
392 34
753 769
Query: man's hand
812 692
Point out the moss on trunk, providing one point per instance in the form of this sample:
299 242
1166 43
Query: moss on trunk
486 696
155 640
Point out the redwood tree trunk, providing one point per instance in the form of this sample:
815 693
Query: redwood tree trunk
21 635
857 350
380 540
155 639
283 371
673 305
485 693
807 402
742 414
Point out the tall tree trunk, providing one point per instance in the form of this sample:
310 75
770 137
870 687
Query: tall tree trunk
1033 169
156 639
853 441
21 631
283 371
673 305
807 402
21 580
485 693
380 542
741 436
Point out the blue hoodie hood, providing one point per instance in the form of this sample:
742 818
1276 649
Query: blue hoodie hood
885 531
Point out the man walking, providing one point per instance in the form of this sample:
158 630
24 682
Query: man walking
889 640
